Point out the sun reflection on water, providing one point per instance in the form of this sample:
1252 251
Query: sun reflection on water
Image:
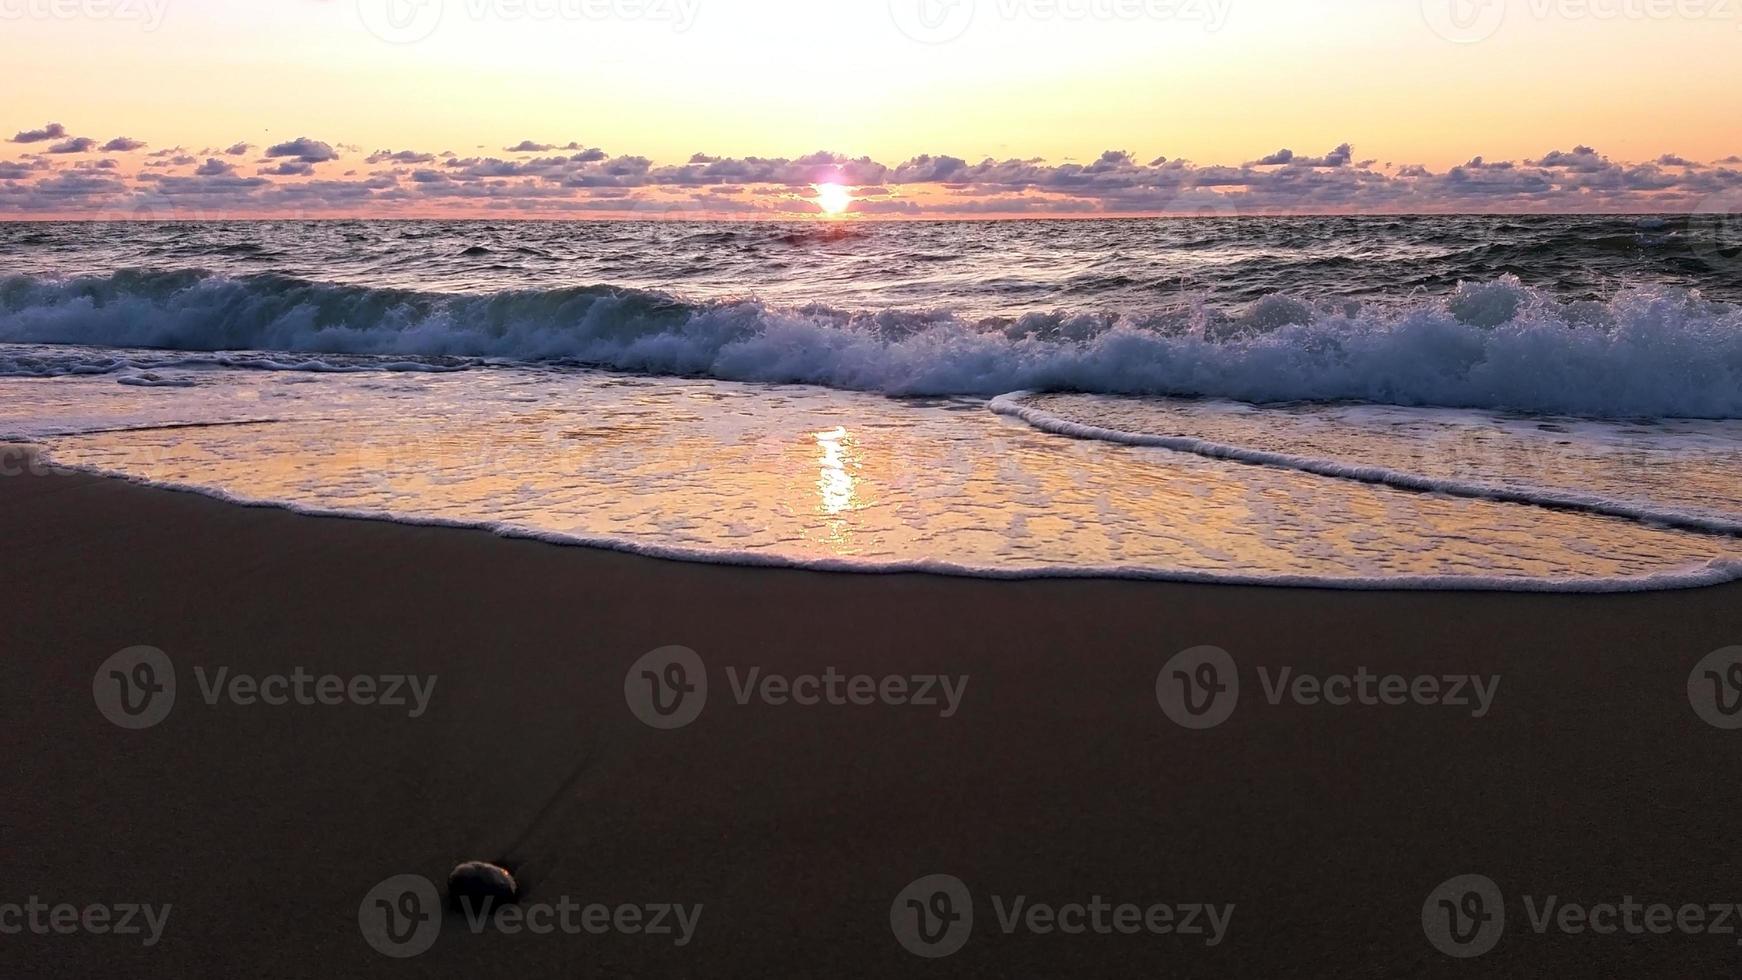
836 485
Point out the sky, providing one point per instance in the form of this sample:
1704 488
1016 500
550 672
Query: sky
920 108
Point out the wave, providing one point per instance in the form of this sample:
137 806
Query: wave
1646 352
1012 405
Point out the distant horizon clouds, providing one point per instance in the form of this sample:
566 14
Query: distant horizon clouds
309 177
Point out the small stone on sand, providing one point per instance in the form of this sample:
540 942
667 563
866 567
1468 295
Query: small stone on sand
474 881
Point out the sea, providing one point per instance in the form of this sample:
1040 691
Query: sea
1541 403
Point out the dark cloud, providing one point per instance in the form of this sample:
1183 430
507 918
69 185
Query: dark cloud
78 144
304 150
214 167
403 156
290 168
53 131
532 146
1582 158
122 144
1339 157
238 149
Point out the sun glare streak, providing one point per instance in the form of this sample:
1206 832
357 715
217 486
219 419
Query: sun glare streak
836 486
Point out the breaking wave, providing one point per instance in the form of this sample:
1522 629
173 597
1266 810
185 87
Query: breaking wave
1649 351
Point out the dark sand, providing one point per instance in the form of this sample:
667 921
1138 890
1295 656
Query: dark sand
1059 779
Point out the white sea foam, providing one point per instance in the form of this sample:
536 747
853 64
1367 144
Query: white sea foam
1650 352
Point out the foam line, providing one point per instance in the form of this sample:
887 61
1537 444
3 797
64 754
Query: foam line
1715 572
1011 405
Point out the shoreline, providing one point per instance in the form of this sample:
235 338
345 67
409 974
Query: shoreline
1059 778
1715 573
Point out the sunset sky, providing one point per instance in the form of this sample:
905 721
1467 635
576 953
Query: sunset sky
1126 106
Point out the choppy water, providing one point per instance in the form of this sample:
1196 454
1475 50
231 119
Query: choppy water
1493 402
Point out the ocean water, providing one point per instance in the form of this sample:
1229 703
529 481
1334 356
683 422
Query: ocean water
1545 403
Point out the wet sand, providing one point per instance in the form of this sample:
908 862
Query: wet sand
1058 777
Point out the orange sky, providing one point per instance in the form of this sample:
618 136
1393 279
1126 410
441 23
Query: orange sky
1218 82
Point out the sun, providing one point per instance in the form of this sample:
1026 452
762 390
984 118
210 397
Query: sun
833 198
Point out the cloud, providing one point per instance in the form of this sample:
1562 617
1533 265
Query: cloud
403 156
53 131
581 180
290 168
303 150
1582 158
1339 157
531 146
79 144
122 144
